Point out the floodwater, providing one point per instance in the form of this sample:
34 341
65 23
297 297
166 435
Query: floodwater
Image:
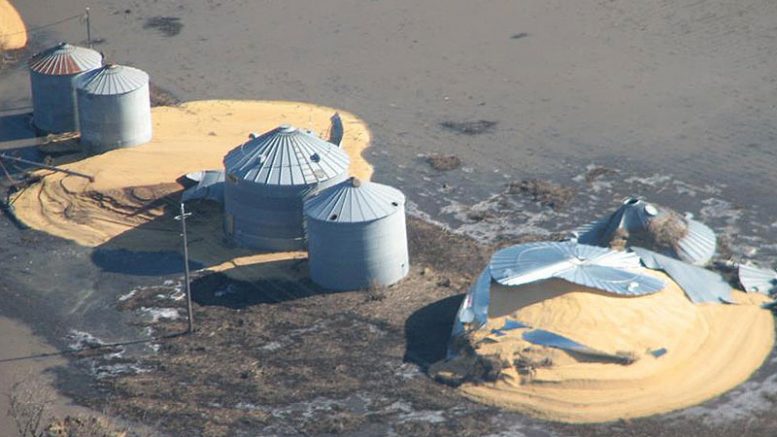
677 97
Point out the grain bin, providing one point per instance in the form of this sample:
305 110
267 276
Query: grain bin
267 179
114 109
52 76
357 236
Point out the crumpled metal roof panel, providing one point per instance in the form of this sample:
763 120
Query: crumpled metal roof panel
210 185
551 339
755 279
286 156
699 284
590 266
65 59
353 201
697 246
112 79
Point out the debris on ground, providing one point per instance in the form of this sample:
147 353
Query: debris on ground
443 162
545 192
476 127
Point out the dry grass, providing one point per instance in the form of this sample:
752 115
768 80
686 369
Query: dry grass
667 229
598 172
28 404
161 97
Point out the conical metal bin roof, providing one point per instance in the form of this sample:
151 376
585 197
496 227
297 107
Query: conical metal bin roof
590 266
286 156
697 245
112 79
65 59
353 201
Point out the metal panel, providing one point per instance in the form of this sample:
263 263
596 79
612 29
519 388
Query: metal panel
65 59
52 81
354 201
112 79
590 266
699 284
755 279
633 215
550 339
268 217
109 122
286 156
353 255
697 246
474 308
210 185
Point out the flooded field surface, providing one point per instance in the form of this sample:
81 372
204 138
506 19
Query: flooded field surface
540 117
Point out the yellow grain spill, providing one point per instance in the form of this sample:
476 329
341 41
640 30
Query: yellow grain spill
711 348
13 32
133 198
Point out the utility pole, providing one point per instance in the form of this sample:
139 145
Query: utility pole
88 29
182 218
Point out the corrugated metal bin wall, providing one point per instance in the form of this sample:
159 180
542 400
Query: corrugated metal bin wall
364 250
267 218
114 108
53 73
267 179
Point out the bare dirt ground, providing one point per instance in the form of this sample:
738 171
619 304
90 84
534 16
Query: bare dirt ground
271 358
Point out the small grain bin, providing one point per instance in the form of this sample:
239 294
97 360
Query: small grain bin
357 236
267 179
52 76
114 109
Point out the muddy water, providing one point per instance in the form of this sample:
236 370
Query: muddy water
676 96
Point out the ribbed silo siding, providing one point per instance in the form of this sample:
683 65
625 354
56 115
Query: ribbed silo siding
53 102
349 256
268 217
114 121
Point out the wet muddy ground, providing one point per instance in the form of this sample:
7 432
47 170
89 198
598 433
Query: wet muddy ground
273 358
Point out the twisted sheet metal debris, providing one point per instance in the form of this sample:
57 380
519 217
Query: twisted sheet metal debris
699 284
210 186
637 220
590 266
474 308
756 279
542 337
509 325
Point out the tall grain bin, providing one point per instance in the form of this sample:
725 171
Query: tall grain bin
267 179
114 109
357 236
52 76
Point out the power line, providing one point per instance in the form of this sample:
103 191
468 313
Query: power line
45 26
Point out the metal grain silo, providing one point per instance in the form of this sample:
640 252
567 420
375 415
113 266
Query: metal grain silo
114 109
267 179
357 236
52 76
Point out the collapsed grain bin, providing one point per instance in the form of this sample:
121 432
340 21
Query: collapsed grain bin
357 236
114 109
53 73
267 179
